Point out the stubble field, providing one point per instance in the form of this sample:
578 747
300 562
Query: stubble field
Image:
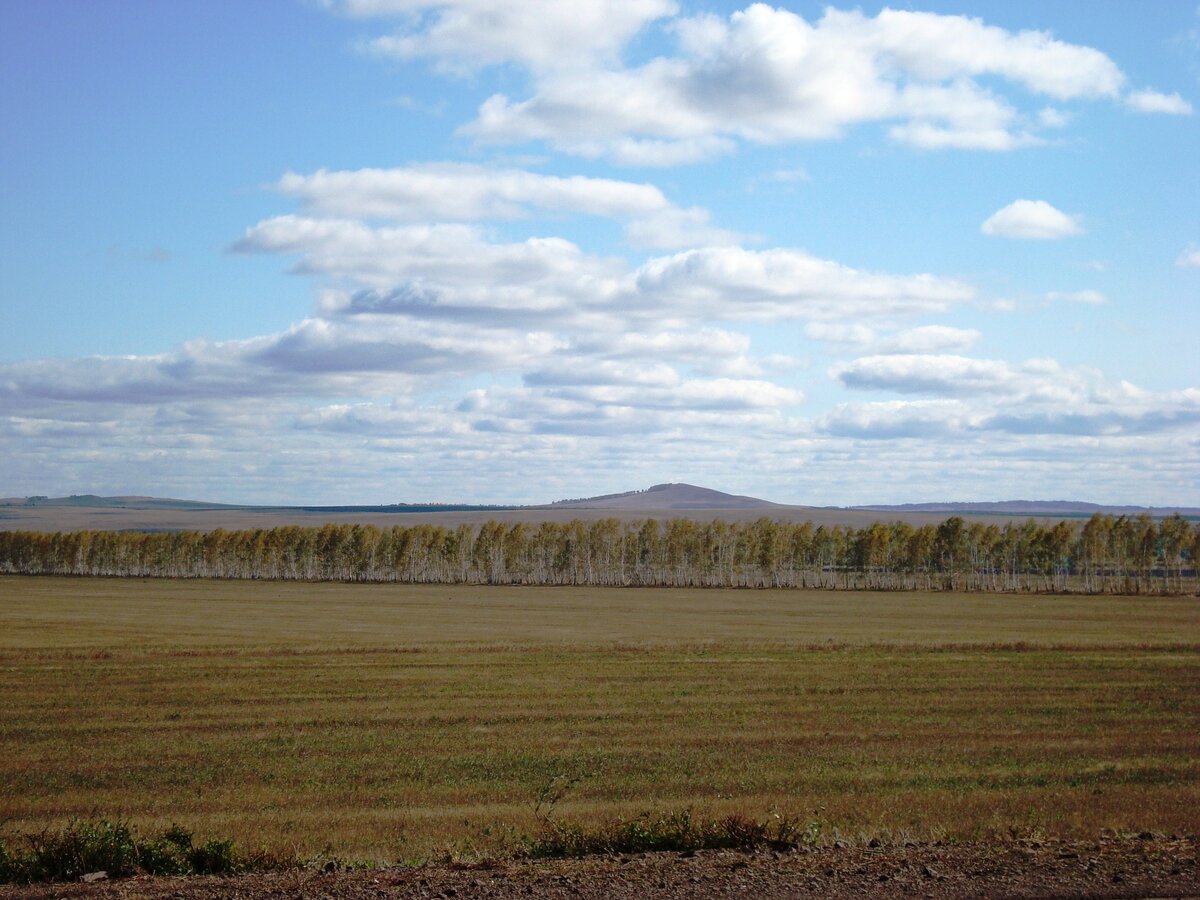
396 723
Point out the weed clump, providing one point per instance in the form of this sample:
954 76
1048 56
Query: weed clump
82 847
675 831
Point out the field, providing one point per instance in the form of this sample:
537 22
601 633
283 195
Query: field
406 722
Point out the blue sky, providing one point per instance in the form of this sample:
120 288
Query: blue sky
387 250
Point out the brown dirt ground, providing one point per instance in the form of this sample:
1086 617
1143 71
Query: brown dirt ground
1149 866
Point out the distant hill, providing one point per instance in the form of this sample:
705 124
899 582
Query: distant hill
1035 508
668 496
92 501
662 501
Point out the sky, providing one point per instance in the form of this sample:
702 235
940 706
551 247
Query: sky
379 251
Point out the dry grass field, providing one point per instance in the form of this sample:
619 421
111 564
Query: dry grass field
403 722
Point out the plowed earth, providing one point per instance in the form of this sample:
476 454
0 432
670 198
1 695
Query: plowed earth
1111 867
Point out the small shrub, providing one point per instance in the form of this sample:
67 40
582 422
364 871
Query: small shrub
214 857
678 831
168 854
79 848
7 867
112 847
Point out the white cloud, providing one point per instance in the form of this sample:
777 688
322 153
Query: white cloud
1155 102
314 357
1189 259
695 394
469 34
1037 397
611 373
1032 220
698 411
443 270
674 228
625 151
413 316
938 47
887 420
459 192
924 339
767 75
446 271
935 137
448 192
843 334
931 339
735 283
947 375
1034 383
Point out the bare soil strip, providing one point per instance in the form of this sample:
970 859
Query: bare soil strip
1110 867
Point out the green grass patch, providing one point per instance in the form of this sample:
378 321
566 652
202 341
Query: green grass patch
671 831
83 847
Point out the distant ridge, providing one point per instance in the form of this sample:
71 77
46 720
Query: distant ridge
665 498
1035 508
93 501
668 496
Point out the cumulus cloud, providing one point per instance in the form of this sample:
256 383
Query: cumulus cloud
974 396
443 192
604 373
699 411
925 374
732 394
1031 220
694 343
412 314
1189 259
1155 102
1095 421
460 192
924 339
930 339
429 271
317 346
732 282
468 34
888 420
767 75
314 357
841 334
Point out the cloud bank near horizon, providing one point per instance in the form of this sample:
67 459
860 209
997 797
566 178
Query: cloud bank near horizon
467 340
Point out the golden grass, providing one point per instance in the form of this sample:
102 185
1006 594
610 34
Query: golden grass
397 721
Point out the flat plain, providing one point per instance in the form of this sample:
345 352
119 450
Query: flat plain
166 518
394 722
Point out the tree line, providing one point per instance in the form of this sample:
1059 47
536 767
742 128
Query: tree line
1106 554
